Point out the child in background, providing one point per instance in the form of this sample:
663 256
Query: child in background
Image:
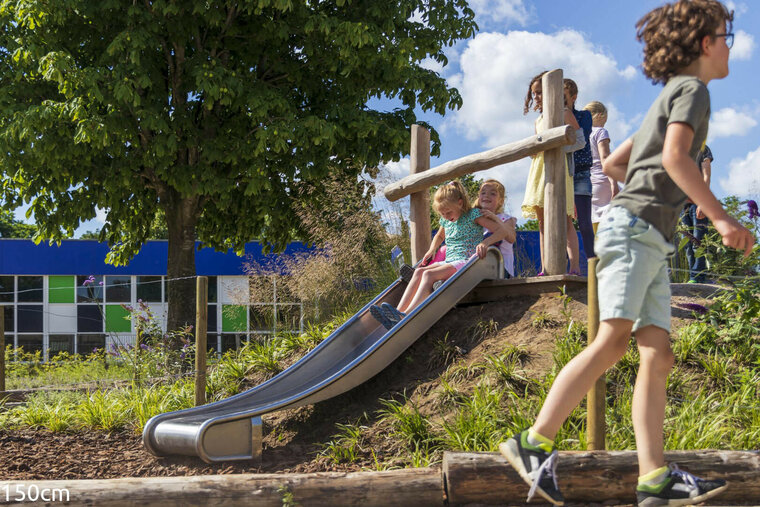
582 162
686 45
462 228
603 188
533 202
490 200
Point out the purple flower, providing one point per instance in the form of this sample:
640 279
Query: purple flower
694 307
88 281
144 347
752 208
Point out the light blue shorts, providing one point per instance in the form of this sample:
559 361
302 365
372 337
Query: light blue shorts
634 283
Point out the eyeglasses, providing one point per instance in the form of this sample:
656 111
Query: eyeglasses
729 38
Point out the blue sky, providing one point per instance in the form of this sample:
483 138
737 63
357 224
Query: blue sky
595 44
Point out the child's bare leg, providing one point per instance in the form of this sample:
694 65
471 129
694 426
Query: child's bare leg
540 217
573 248
649 396
412 286
431 275
577 377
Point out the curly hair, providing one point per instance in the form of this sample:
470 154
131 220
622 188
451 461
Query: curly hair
672 35
449 194
529 97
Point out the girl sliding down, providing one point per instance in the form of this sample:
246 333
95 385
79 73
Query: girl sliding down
462 228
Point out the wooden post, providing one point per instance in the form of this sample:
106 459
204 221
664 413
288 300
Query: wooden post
555 216
201 325
595 401
2 349
419 202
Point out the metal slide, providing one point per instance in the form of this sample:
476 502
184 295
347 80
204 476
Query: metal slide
361 348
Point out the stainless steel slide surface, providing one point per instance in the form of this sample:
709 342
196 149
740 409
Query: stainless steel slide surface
352 354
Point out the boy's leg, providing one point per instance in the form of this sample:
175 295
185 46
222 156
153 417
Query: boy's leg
578 376
583 206
687 220
649 396
428 277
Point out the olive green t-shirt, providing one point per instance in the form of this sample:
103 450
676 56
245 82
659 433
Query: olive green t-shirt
649 192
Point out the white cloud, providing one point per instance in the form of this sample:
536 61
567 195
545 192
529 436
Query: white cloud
744 46
728 122
501 11
743 178
496 69
738 9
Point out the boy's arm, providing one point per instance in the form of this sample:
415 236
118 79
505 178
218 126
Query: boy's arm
616 165
683 170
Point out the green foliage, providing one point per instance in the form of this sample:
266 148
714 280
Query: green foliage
346 445
408 424
528 225
724 262
12 228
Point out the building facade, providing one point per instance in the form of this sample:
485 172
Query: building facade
65 298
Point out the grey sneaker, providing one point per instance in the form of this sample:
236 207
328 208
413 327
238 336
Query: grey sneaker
380 316
680 488
536 467
392 313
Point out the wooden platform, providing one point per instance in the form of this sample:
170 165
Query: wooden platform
499 290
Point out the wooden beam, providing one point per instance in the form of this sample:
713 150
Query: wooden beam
599 476
555 214
419 202
413 486
511 152
201 326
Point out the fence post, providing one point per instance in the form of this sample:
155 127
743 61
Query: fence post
419 202
2 349
595 401
555 216
201 325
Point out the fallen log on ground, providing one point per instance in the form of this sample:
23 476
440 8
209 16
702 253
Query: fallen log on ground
598 476
419 487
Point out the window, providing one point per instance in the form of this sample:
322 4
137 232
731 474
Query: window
86 343
149 289
89 319
211 328
118 289
6 289
89 289
289 317
9 320
262 317
30 289
213 291
60 343
29 318
232 341
30 342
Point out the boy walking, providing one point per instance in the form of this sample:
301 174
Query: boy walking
686 45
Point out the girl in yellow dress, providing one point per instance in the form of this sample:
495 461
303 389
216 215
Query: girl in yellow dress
533 202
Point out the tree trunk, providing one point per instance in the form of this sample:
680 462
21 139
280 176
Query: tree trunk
181 218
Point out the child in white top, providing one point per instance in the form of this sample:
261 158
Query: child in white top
603 188
491 203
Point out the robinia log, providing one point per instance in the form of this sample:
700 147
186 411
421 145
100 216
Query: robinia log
419 487
594 476
546 140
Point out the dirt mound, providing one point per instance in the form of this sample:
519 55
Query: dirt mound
466 336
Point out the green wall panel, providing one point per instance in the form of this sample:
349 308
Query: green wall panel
61 289
234 319
117 319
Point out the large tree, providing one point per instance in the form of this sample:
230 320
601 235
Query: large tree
11 227
213 111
